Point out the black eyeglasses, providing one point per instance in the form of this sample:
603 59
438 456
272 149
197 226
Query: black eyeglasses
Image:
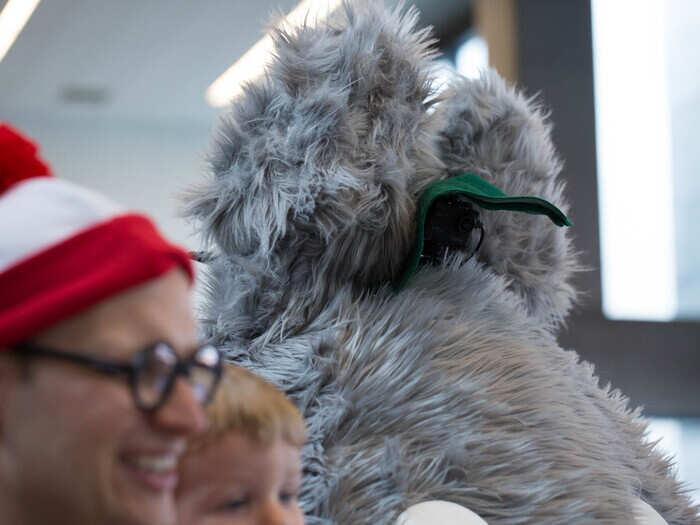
151 373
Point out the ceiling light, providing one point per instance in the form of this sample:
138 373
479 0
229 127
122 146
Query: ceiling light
253 62
13 17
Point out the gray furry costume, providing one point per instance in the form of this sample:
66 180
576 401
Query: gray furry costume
454 388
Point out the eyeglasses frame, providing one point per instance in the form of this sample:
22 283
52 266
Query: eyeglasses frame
131 368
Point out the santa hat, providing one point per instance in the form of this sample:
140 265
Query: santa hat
64 248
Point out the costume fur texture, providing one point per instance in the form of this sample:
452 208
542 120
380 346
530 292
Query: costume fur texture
454 388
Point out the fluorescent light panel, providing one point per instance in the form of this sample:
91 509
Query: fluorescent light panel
253 62
633 138
13 18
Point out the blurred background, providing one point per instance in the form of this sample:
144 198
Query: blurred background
122 97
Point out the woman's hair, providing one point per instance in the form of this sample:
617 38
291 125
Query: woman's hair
247 404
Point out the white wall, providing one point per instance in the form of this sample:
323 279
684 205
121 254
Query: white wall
143 165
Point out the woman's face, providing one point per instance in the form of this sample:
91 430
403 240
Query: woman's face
80 450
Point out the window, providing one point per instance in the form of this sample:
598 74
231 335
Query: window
646 56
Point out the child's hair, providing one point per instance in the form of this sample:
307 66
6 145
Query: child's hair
246 403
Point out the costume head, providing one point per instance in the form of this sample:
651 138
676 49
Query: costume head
441 383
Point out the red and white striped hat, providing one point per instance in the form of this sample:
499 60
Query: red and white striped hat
64 248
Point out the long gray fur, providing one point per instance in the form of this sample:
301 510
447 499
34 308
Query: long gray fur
455 388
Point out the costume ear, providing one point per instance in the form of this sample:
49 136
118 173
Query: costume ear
504 138
312 168
253 187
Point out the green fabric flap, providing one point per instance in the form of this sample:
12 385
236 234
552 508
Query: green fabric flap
482 194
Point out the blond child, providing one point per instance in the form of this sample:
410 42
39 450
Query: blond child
246 469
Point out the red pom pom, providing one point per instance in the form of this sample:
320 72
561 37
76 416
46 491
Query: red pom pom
18 158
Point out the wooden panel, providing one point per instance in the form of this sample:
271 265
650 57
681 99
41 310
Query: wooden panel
496 21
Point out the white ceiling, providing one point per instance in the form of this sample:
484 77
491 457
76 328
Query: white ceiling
140 59
152 58
146 64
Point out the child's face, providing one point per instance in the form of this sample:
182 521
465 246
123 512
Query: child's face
235 481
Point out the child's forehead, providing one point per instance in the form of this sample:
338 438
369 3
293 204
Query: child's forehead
236 456
241 445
